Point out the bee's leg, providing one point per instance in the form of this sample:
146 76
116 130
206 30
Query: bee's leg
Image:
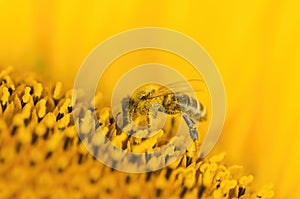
192 127
125 111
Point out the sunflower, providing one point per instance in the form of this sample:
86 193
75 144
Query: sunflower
254 44
42 156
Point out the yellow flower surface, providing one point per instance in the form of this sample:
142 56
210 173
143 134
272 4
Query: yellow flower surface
255 45
42 155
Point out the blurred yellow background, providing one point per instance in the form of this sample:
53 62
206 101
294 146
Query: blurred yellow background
255 45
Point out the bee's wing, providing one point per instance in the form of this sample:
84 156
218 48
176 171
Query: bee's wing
185 83
178 87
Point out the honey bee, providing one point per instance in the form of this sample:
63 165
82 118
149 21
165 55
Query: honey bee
171 100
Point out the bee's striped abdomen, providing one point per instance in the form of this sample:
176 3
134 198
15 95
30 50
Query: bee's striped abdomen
191 107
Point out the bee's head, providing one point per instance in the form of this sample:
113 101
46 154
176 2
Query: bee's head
145 92
146 95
